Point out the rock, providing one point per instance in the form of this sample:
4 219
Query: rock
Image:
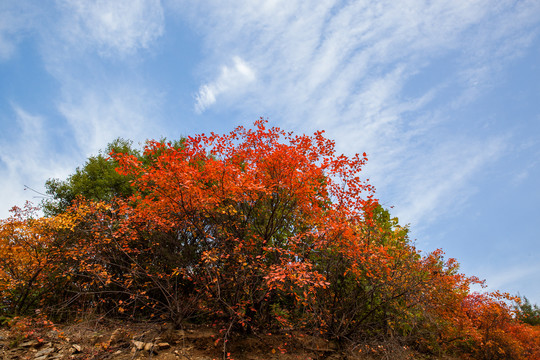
44 353
139 345
30 343
97 339
163 345
117 336
148 347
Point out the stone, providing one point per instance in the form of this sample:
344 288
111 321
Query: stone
30 343
163 345
148 347
44 352
118 335
139 345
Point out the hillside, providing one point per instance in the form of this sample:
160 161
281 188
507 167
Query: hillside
253 232
115 340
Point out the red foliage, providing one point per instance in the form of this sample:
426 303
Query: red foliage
257 204
254 229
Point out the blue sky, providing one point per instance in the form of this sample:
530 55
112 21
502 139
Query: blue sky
443 96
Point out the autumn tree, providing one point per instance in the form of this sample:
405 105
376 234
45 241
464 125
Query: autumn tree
31 254
249 208
97 179
254 230
527 312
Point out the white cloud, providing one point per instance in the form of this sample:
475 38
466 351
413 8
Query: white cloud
442 178
509 276
16 19
112 27
99 115
7 46
22 154
98 105
345 68
231 79
26 159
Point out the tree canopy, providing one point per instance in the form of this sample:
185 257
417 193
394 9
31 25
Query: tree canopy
255 230
96 180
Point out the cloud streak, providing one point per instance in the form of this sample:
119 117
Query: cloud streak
231 79
112 27
100 104
78 40
27 160
345 67
16 20
99 115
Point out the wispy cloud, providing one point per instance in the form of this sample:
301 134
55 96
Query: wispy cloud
509 277
513 278
441 184
99 115
346 68
78 40
16 19
25 159
8 26
98 103
112 27
231 79
31 141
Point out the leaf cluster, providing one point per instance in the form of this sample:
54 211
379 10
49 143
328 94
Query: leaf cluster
527 312
255 230
96 180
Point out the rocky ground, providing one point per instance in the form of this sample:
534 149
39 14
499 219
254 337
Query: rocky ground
122 341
